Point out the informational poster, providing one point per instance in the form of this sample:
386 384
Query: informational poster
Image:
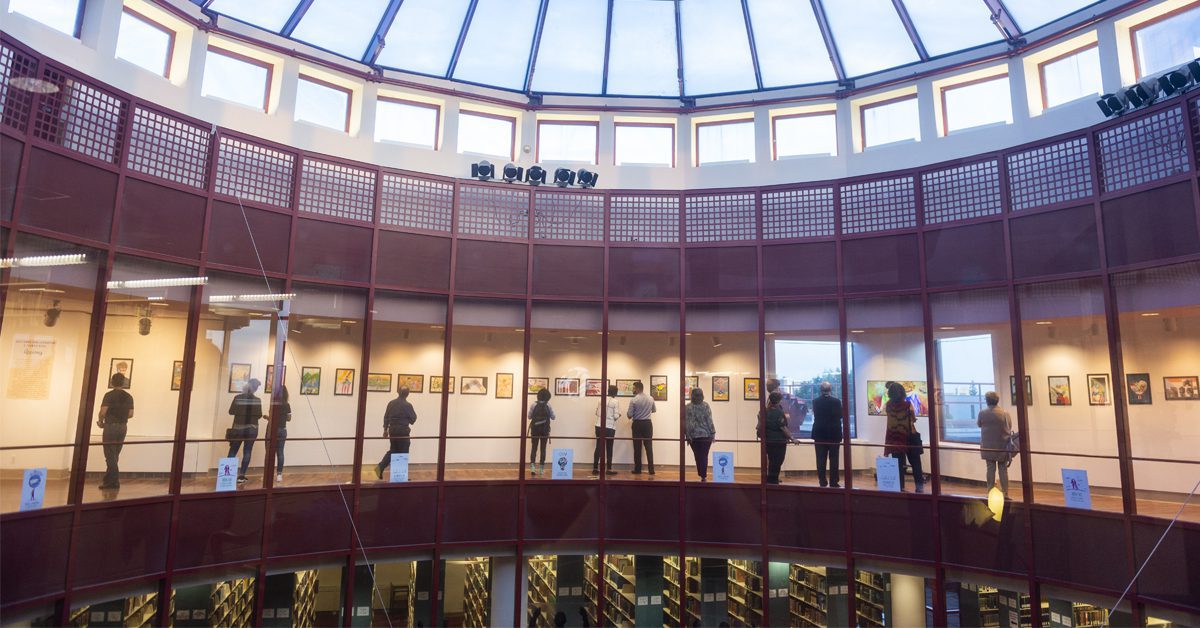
30 366
1075 489
887 474
722 466
399 469
227 470
33 489
564 464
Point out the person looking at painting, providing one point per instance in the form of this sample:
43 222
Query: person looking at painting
606 429
283 415
116 408
398 419
902 439
639 411
776 435
827 434
995 426
699 431
540 416
246 410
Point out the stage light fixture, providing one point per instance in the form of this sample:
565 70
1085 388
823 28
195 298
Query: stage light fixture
52 314
1111 105
586 178
513 172
1139 96
484 171
1173 82
564 177
535 175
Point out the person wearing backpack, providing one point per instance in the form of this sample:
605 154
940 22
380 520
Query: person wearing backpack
540 416
995 428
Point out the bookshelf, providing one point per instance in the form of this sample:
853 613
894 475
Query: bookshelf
304 598
476 606
79 617
543 581
591 595
871 605
681 608
140 610
744 601
620 595
807 596
232 603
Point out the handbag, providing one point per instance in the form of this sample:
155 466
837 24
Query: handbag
915 446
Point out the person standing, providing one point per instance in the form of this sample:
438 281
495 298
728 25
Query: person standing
902 439
776 436
116 408
285 415
247 411
699 431
995 426
540 416
827 434
640 409
398 419
606 429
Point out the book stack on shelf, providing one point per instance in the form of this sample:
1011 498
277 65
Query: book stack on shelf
744 603
232 603
304 598
591 594
1088 616
807 591
681 608
989 605
476 602
1026 613
871 604
620 596
543 579
140 610
79 617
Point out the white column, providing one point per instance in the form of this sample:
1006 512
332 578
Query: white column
762 136
1017 87
505 579
1110 63
607 142
101 23
908 601
449 141
926 111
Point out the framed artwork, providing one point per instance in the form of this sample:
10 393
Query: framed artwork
750 389
917 393
535 384
594 388
1099 389
343 382
310 380
1138 385
473 385
239 376
566 386
1185 388
177 375
504 385
379 382
435 384
658 387
1060 390
690 382
1012 390
269 384
625 387
414 383
720 388
124 366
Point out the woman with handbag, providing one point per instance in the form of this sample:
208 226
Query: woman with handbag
902 439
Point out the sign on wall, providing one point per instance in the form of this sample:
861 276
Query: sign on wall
399 469
1075 489
564 463
30 367
227 470
33 489
722 465
887 474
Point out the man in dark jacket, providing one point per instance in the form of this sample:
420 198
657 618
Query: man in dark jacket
397 423
827 433
247 412
115 411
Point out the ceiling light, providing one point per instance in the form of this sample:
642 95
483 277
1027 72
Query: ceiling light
50 319
857 331
946 328
536 175
586 178
32 84
564 177
513 172
1149 313
484 171
1044 323
43 290
157 283
241 298
43 260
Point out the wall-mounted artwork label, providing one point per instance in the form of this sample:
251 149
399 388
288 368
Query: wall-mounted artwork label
916 392
227 470
722 464
887 474
33 489
1138 387
398 472
1076 493
564 464
30 367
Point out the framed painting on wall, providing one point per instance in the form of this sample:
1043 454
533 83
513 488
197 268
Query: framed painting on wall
915 391
473 385
414 383
535 384
504 385
625 387
720 388
310 380
1099 389
690 382
177 375
239 376
435 384
343 382
1060 390
269 384
379 382
1012 390
658 387
1185 388
750 389
566 386
124 366
594 388
1138 385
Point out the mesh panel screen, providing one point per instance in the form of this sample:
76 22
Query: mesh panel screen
878 205
493 211
337 190
15 104
806 213
717 217
81 118
1050 174
644 219
566 216
416 203
165 147
254 172
1143 150
962 192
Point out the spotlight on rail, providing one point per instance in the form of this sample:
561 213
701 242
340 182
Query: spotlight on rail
535 175
513 172
564 177
484 171
586 178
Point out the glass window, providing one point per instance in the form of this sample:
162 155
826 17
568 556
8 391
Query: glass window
716 48
642 57
61 15
870 45
889 122
1031 14
323 104
235 78
266 14
643 350
497 47
1071 77
228 603
484 134
570 56
564 348
567 141
725 142
805 134
406 122
145 43
783 32
423 35
1167 42
946 26
341 26
638 144
976 104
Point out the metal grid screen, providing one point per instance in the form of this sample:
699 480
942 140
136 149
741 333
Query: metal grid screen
81 118
878 205
644 219
15 104
805 213
1143 150
1050 174
493 211
567 216
719 217
165 147
962 192
337 190
416 203
254 172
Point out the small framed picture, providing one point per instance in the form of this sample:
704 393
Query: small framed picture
1099 389
473 385
594 388
239 376
1138 385
269 384
310 380
504 385
1181 388
436 384
690 382
658 387
566 386
177 375
720 388
379 382
625 387
124 366
343 382
536 384
1012 390
1060 390
414 383
750 389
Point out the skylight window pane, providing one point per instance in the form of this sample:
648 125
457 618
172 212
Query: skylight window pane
785 31
977 104
423 36
1072 77
869 34
236 80
322 104
805 135
485 135
1031 14
570 56
61 15
725 142
144 44
1166 44
896 121
716 47
567 142
644 145
946 26
642 57
341 26
266 14
496 51
407 123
